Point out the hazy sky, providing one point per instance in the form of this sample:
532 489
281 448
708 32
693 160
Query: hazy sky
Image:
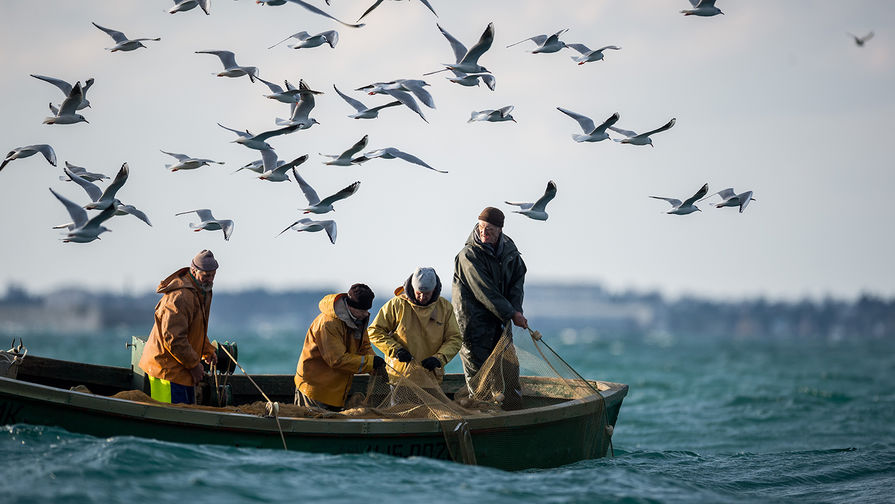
772 97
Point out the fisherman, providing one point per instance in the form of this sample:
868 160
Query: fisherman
179 338
335 348
487 294
417 326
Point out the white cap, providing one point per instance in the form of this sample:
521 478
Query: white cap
423 279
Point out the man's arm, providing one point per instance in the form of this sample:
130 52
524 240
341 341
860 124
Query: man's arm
381 330
174 325
481 284
336 355
453 340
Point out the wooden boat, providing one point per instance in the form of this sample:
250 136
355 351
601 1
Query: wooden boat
548 432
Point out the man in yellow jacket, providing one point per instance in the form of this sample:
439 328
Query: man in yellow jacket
179 338
417 326
335 348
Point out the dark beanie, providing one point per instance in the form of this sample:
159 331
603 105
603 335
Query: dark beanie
205 261
492 215
360 297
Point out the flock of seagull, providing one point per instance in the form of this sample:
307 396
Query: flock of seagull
411 93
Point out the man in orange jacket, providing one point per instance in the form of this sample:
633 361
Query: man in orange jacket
336 347
179 338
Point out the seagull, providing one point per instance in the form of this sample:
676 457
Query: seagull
587 55
704 8
311 8
499 115
731 199
289 95
82 229
468 60
307 224
67 88
256 166
345 158
275 170
473 79
231 69
185 5
392 153
316 205
859 41
643 138
591 133
100 200
687 207
364 112
376 4
299 118
536 210
209 223
330 37
415 86
257 142
122 43
546 43
187 163
30 150
67 113
81 172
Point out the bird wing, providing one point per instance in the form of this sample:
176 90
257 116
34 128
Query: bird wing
344 193
93 191
725 194
77 214
627 133
694 3
370 9
484 43
606 124
272 133
674 202
205 5
180 157
228 59
323 13
309 192
416 87
292 226
522 205
427 4
667 126
356 147
586 123
702 3
407 99
457 46
47 151
505 111
61 84
331 36
489 80
538 39
120 179
269 160
131 209
583 49
407 157
70 105
745 198
116 35
867 37
101 217
700 193
227 227
389 104
617 48
330 227
244 134
295 162
549 194
274 88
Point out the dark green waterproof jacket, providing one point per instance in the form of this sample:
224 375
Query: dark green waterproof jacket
486 292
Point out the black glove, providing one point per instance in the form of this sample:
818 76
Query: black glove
403 355
431 363
378 363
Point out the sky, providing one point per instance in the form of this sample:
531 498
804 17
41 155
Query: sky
772 97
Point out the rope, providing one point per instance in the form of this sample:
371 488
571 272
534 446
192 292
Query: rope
273 408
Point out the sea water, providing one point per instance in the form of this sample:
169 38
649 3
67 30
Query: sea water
707 419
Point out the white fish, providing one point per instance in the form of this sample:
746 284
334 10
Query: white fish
66 88
592 133
185 162
545 43
731 199
209 223
82 229
307 224
122 43
687 206
30 150
538 209
635 138
704 8
315 204
489 115
231 69
346 158
588 55
393 153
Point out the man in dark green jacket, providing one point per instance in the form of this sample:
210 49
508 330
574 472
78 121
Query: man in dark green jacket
487 294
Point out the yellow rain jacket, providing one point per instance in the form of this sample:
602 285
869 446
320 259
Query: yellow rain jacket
179 338
425 331
335 348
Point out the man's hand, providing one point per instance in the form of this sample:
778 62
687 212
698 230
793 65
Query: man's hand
431 363
519 320
211 358
404 355
378 364
197 373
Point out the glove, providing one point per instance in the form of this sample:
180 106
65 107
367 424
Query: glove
403 355
378 363
431 363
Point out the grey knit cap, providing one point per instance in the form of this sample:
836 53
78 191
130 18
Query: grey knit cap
423 279
205 261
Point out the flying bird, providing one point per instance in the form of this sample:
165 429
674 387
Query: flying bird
859 41
415 86
66 88
588 55
299 119
346 158
393 153
185 5
470 80
538 209
256 142
231 69
209 223
185 162
731 199
83 173
306 40
315 204
592 133
82 229
467 61
30 150
364 112
273 169
67 113
634 138
307 224
545 43
704 8
499 115
289 95
687 206
376 4
122 43
315 10
102 199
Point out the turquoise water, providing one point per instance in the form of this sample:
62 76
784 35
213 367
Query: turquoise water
706 420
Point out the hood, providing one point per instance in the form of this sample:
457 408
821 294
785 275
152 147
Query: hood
406 291
180 279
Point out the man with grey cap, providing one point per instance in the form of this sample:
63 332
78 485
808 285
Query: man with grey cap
179 338
417 327
487 294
